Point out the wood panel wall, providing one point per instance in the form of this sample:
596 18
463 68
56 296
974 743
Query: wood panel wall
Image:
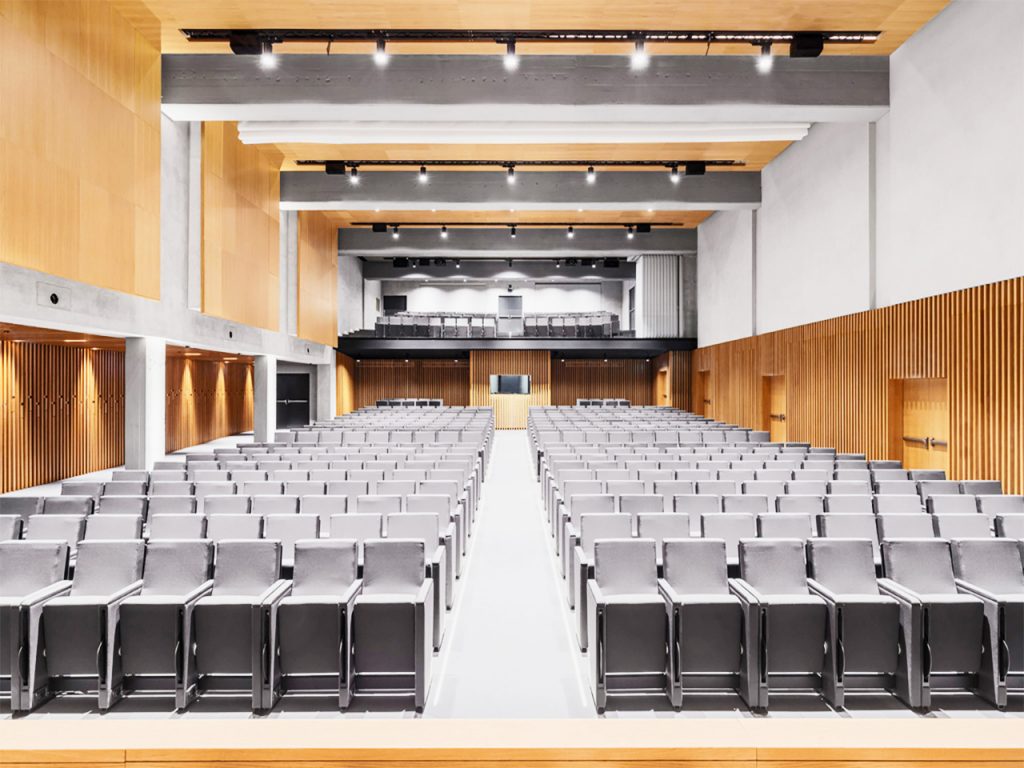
838 375
61 412
318 278
629 378
679 364
207 399
345 389
80 145
380 379
510 411
241 241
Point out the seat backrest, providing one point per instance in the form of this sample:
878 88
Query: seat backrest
105 567
626 487
27 566
1000 505
785 525
68 505
969 526
176 567
861 526
171 505
113 527
992 564
21 506
661 526
261 487
222 527
848 505
424 525
246 567
849 488
288 529
590 504
981 487
226 505
274 505
172 526
378 505
393 566
938 487
746 503
923 565
696 506
10 527
1010 526
81 488
202 490
69 528
602 526
349 488
626 566
170 488
125 488
324 566
844 566
715 487
917 526
804 505
358 526
947 504
775 567
641 504
807 488
696 566
431 503
395 487
122 505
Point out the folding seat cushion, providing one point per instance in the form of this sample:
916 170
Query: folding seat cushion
380 505
226 505
392 619
22 507
849 488
953 504
288 528
746 504
628 621
156 624
786 525
113 527
170 488
68 505
848 505
229 636
661 526
805 505
730 528
312 630
225 527
981 487
716 487
864 623
274 505
591 527
640 504
898 505
91 488
171 505
176 526
438 540
1010 526
124 488
80 629
942 628
67 528
917 526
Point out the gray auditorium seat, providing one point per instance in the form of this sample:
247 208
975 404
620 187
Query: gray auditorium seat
1000 505
31 574
323 507
661 526
942 629
580 504
228 527
231 646
917 526
853 526
123 505
848 505
113 527
124 488
730 528
640 504
789 621
441 505
67 528
1010 526
969 526
10 528
707 622
992 571
312 629
233 504
170 488
274 505
958 504
746 504
359 527
849 488
157 633
863 624
176 526
937 488
806 505
22 507
592 528
392 621
91 488
289 528
428 529
786 525
628 621
80 629
898 504
377 505
68 505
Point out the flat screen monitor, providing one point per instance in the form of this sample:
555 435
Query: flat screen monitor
510 385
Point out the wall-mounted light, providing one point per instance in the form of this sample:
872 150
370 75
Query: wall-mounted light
673 174
570 233
629 232
511 177
511 60
591 175
353 178
394 232
639 60
444 236
423 174
765 60
512 232
267 58
380 54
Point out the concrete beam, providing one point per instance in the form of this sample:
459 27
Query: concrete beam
582 89
533 191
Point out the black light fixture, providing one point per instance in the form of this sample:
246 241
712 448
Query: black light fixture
629 231
571 262
394 232
458 264
267 58
512 232
424 262
570 232
558 264
380 53
591 175
334 168
423 174
696 168
354 176
245 43
639 60
444 232
806 45
400 263
673 174
511 174
440 262
511 60
379 228
765 60
611 263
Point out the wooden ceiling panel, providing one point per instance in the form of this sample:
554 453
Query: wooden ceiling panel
28 335
896 19
576 218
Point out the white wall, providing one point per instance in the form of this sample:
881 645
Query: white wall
725 277
605 295
350 294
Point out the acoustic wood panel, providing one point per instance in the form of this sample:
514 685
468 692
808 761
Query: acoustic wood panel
510 411
677 364
318 278
80 145
345 389
382 379
839 374
241 245
61 412
206 399
629 378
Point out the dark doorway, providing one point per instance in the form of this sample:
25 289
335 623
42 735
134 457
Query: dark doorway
292 400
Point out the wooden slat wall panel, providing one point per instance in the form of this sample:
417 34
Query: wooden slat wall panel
629 379
838 373
318 278
80 145
206 399
679 364
380 379
61 412
346 384
241 242
510 411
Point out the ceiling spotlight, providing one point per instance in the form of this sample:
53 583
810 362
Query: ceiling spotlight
591 176
423 174
267 58
673 174
558 264
593 265
380 55
513 233
354 176
570 233
511 59
444 233
629 232
458 264
765 60
511 178
639 60
509 261
394 232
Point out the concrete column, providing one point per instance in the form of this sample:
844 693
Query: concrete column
326 392
145 404
264 417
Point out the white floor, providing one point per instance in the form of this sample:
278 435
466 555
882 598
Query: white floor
509 649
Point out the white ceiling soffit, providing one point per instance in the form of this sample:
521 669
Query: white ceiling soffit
513 132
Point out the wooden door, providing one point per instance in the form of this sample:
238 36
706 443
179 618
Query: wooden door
702 397
662 388
774 388
924 432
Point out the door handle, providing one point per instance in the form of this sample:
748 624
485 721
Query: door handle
777 416
934 442
921 440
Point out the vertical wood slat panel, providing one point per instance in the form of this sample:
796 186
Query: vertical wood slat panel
345 389
629 379
839 373
61 412
206 399
317 278
510 411
383 379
